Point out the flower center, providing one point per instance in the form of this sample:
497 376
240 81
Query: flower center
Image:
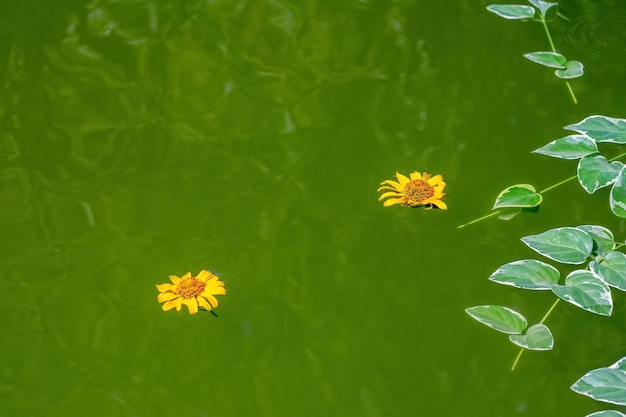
190 288
418 190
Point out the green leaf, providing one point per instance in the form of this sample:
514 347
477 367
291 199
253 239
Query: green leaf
569 147
601 129
604 384
537 337
548 59
573 69
606 413
617 198
502 319
612 269
512 11
567 245
595 171
603 240
543 6
528 274
586 290
519 196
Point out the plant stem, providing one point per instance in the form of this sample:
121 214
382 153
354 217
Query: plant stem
545 26
540 192
479 219
545 317
558 184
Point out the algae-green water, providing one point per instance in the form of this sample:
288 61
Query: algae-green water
143 139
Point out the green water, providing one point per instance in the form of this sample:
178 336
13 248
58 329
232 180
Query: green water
141 139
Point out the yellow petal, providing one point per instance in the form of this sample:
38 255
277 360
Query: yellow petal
203 275
394 184
389 194
402 179
212 300
166 296
186 276
169 305
204 304
416 176
165 287
192 305
213 290
435 180
175 280
425 176
440 204
393 201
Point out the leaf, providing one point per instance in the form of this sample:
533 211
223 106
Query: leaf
586 290
595 171
603 240
502 319
567 245
604 384
573 69
606 413
601 129
569 147
617 198
548 59
528 274
543 6
519 196
537 337
512 11
612 269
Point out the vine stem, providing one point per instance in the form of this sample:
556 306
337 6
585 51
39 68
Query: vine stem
545 317
545 27
558 184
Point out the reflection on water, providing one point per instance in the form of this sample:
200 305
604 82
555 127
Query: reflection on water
145 139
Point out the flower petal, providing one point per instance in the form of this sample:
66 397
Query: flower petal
394 184
203 275
186 276
213 289
166 296
402 179
416 176
204 303
169 305
165 287
435 179
212 300
192 305
393 201
390 194
175 280
440 204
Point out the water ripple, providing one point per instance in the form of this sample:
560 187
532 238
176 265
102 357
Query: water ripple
597 29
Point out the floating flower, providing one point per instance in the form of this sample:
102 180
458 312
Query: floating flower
191 291
420 190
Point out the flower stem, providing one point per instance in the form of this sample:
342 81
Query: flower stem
545 317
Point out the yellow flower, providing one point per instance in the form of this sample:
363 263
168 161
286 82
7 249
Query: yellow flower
420 190
191 291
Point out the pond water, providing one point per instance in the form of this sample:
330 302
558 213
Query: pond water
142 139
